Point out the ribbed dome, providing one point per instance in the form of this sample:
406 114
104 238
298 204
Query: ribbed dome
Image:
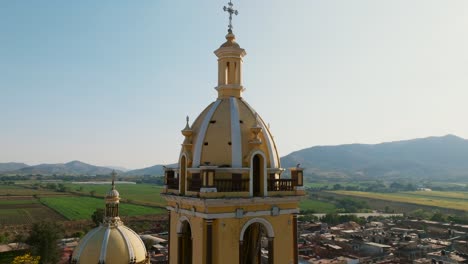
224 135
112 244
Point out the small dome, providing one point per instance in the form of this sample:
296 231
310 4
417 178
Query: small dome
231 41
110 244
112 193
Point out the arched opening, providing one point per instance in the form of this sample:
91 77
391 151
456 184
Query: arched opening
258 174
226 73
185 244
256 244
183 174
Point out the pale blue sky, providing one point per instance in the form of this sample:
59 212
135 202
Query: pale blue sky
110 82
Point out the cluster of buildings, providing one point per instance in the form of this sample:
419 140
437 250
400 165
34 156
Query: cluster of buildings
386 241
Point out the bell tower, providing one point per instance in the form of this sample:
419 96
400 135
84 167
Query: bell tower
227 200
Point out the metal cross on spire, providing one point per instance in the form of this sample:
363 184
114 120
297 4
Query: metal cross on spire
113 174
231 11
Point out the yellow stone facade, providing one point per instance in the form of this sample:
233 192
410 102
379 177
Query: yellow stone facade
227 196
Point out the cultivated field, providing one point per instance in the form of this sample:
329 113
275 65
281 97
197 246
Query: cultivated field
18 190
25 211
22 204
317 206
145 194
444 200
76 208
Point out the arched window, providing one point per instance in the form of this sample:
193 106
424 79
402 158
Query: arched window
257 236
184 242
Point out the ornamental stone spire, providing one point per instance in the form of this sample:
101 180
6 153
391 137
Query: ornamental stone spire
112 199
230 56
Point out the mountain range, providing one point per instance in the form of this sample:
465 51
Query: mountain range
425 158
11 166
442 158
71 168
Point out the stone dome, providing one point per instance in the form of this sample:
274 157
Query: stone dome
113 193
113 244
227 132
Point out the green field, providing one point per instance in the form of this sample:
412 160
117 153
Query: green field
18 201
317 206
450 200
14 214
330 185
76 208
147 194
18 206
15 190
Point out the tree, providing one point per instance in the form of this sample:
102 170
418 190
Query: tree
420 214
148 243
438 217
43 241
4 238
98 216
337 187
62 188
92 192
26 259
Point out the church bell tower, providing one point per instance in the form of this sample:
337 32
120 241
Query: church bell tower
227 200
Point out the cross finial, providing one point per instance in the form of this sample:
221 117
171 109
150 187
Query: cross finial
113 174
231 11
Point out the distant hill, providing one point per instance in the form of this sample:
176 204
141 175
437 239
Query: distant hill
433 157
70 168
156 170
436 158
11 166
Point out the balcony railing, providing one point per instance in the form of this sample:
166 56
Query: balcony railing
232 185
281 184
222 185
173 183
235 185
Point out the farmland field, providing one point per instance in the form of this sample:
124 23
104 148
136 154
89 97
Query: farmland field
76 208
15 190
17 201
25 211
330 185
450 200
147 194
317 206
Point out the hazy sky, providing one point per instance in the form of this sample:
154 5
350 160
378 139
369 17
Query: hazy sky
110 82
